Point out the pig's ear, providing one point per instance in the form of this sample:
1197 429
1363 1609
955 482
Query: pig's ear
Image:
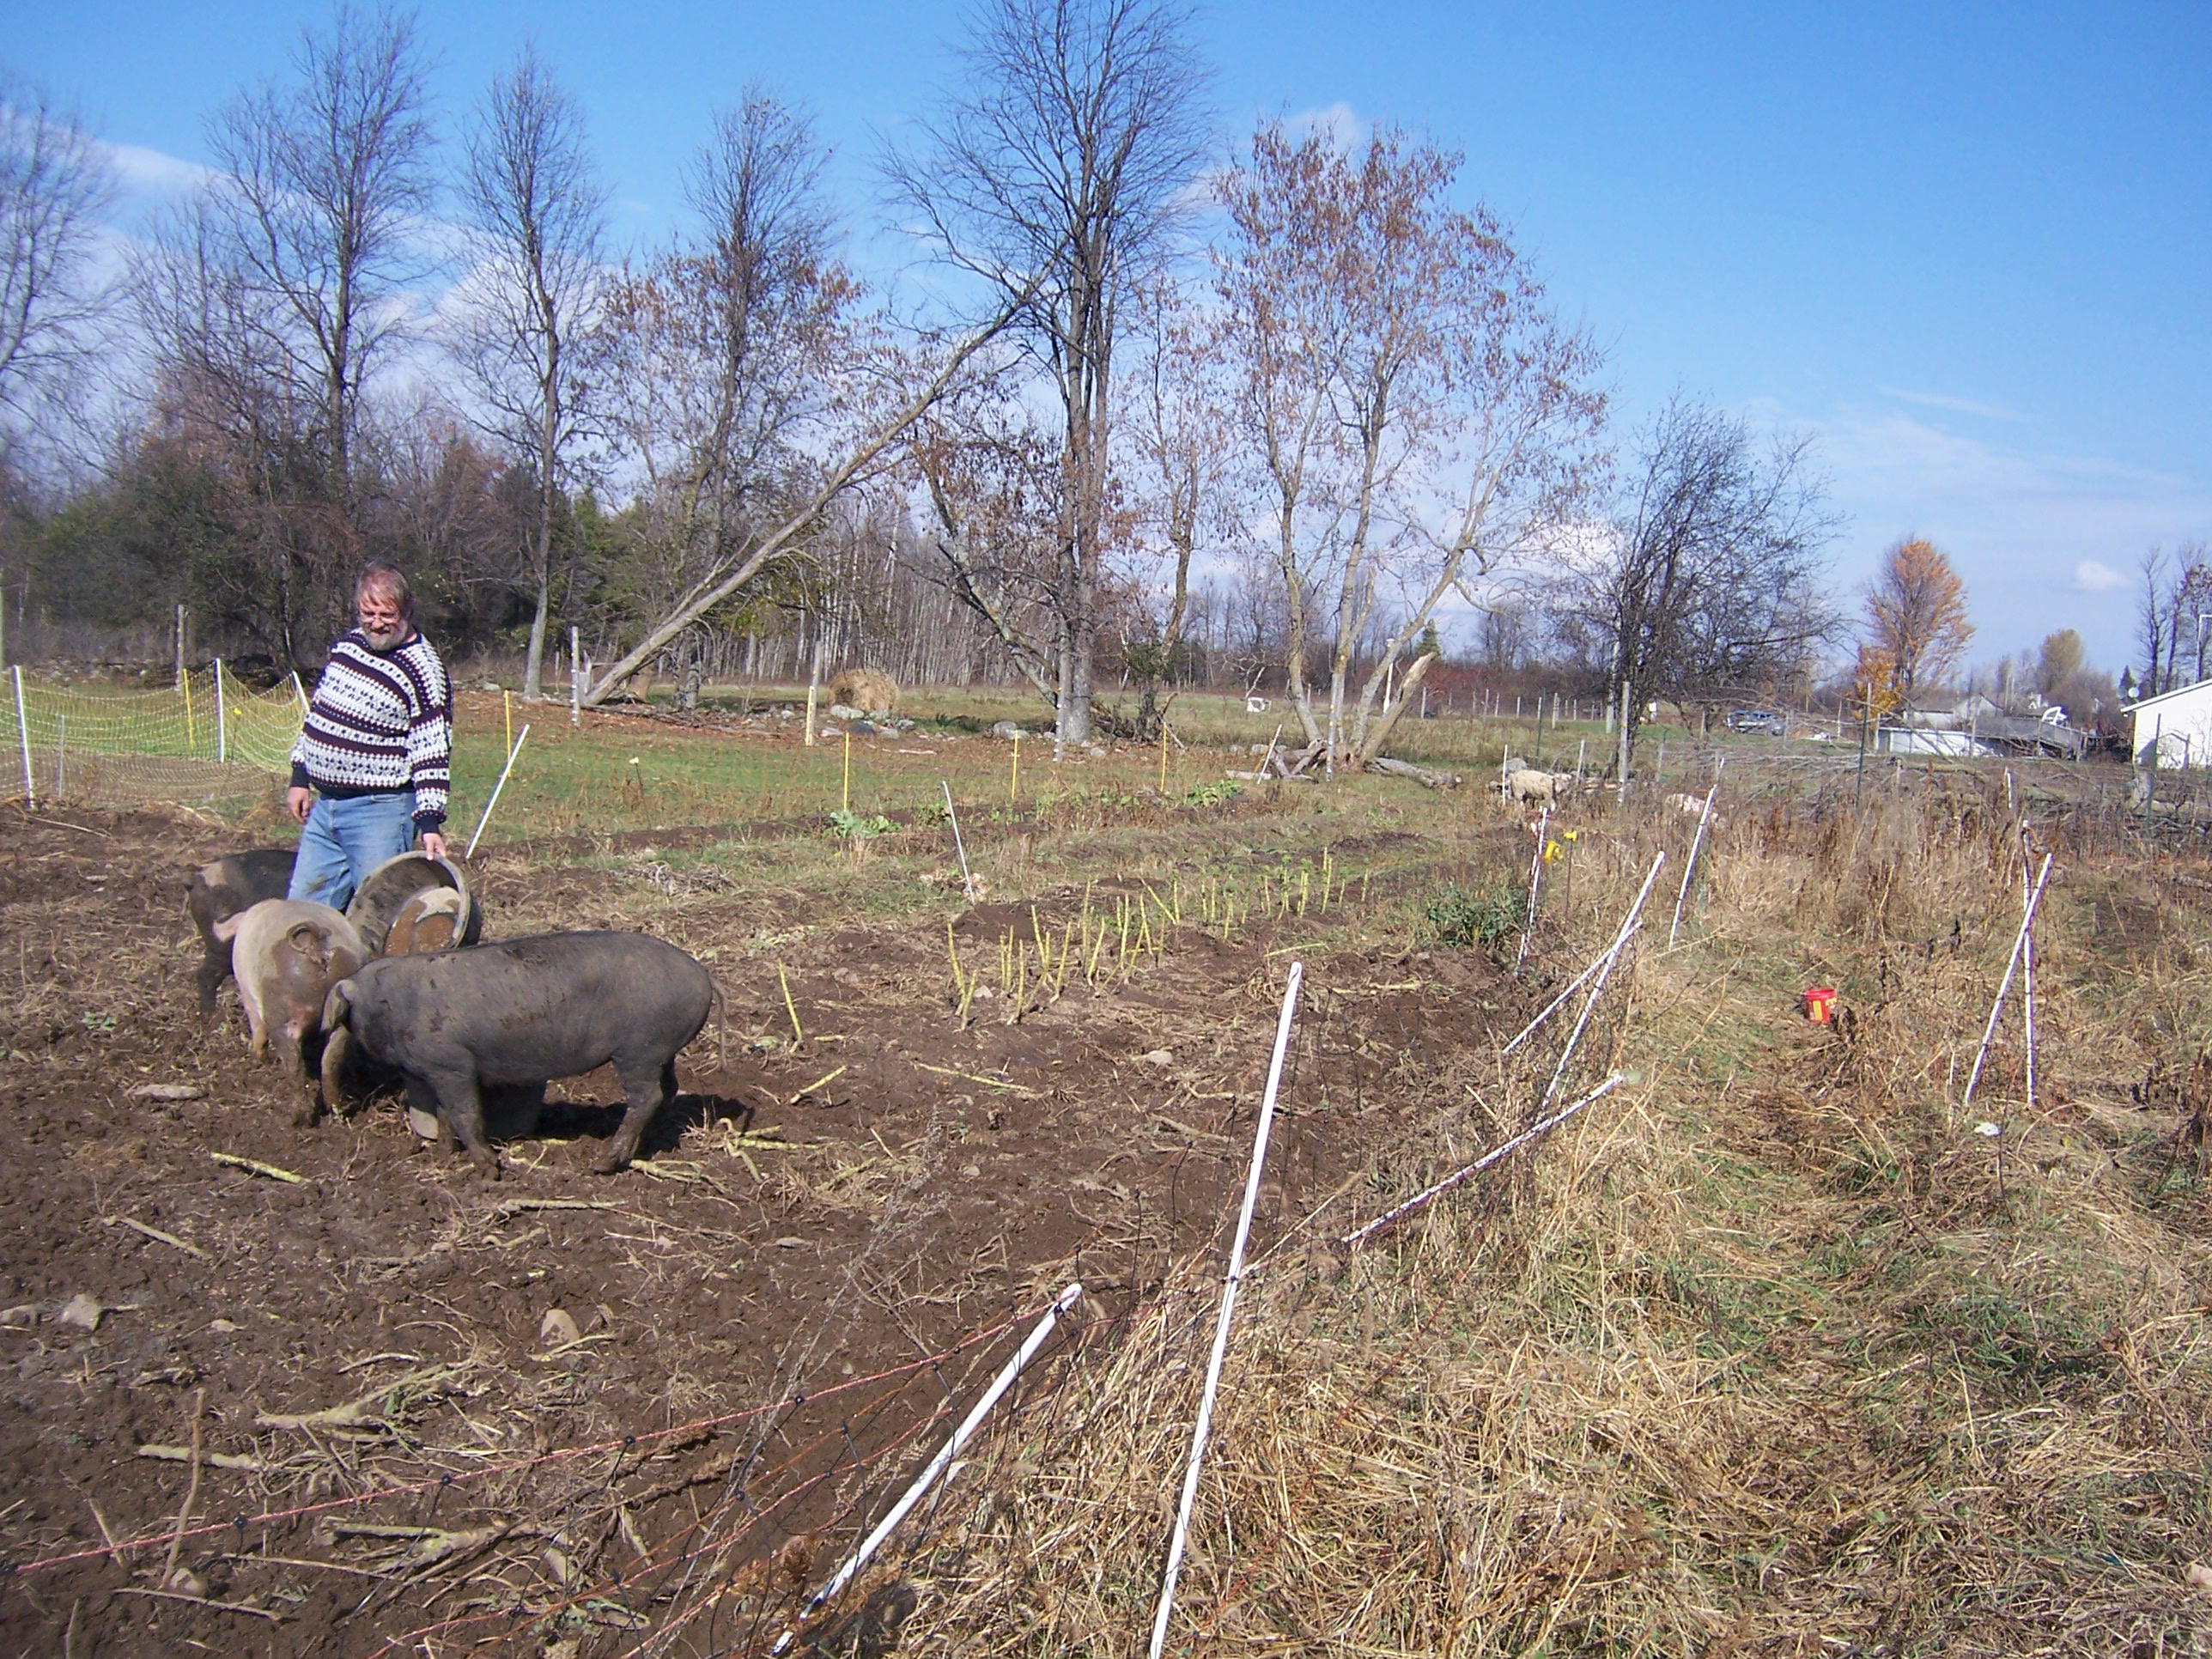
227 929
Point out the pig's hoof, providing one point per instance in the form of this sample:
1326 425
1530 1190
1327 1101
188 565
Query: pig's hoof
487 1164
306 1117
613 1161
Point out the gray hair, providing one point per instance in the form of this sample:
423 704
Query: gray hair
388 579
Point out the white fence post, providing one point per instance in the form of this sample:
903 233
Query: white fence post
1228 1308
23 726
496 787
938 1464
222 724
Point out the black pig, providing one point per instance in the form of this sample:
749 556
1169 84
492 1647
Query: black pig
224 889
519 1012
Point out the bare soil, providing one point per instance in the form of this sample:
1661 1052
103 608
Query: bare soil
826 1241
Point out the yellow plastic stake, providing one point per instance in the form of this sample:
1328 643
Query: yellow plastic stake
508 697
191 732
797 1036
1014 773
959 979
846 804
1163 758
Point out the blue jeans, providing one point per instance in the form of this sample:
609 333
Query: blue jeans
344 840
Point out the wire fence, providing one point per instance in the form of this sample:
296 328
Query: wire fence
207 737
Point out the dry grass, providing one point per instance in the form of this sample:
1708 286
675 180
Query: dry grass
1768 1356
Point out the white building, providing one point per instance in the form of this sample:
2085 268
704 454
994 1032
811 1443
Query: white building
2174 728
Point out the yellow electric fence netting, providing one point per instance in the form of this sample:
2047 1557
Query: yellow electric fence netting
208 738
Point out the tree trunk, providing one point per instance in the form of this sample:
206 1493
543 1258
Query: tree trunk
534 670
1380 732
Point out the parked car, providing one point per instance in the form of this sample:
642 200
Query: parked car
1759 720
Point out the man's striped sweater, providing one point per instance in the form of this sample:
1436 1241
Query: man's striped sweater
381 722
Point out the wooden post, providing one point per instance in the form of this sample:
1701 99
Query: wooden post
1623 742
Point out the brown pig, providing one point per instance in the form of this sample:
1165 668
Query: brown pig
222 890
287 954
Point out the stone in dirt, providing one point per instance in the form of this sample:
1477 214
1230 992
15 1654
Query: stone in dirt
82 1311
1006 731
167 1091
558 1329
1159 1057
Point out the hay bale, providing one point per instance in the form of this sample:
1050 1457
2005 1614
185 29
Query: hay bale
869 689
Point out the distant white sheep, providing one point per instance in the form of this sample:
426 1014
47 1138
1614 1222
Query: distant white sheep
1528 787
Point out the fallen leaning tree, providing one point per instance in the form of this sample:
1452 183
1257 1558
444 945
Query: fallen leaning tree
714 588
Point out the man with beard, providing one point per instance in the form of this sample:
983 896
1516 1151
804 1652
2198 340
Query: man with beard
374 757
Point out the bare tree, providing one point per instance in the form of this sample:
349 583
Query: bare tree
1180 471
993 479
539 210
1709 582
324 181
2150 621
2187 608
55 185
1058 180
1413 409
721 357
735 367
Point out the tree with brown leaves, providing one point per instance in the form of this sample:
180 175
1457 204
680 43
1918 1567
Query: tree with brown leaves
1411 407
1917 614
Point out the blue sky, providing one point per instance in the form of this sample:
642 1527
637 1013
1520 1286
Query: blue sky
1968 249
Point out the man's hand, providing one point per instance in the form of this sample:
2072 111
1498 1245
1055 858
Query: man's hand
299 802
434 843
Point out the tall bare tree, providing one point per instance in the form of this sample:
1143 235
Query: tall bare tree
722 356
992 480
539 210
55 185
325 178
1058 180
1413 410
2188 608
2150 621
1709 583
1178 471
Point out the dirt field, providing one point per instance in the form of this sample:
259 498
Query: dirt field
398 1406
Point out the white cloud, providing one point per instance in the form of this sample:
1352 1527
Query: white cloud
2038 535
1951 405
1339 123
151 171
